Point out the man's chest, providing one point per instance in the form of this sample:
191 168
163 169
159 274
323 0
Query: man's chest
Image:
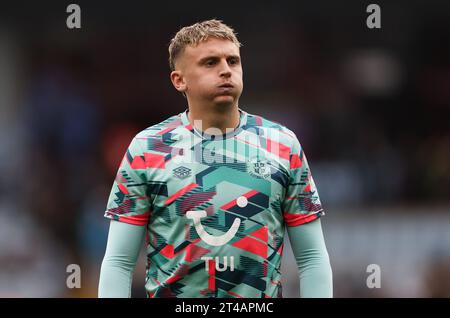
217 178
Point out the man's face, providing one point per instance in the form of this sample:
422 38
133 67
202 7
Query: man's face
211 72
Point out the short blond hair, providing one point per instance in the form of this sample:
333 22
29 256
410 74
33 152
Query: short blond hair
196 33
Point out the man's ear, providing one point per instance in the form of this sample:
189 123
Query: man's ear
178 82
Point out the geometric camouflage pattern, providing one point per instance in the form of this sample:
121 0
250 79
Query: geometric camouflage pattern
215 206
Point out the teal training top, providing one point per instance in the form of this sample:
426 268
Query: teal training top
214 207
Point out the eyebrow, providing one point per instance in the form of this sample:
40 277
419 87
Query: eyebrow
211 57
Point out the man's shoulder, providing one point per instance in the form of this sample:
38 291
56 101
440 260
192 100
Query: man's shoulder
271 128
160 129
158 137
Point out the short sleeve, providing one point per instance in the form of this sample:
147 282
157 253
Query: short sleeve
302 202
128 201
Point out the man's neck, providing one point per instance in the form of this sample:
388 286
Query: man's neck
224 119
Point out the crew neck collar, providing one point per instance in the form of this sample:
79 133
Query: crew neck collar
204 135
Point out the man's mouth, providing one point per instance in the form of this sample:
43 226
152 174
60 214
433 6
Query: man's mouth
226 85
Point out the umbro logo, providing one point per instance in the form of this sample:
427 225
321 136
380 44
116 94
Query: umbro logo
182 172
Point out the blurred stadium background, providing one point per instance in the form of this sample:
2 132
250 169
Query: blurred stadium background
370 108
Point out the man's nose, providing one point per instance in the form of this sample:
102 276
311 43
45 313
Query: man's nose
225 70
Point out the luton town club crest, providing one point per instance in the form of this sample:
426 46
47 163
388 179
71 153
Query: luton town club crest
259 168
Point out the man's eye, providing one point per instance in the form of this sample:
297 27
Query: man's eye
210 63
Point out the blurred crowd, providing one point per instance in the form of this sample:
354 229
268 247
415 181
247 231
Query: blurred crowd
370 108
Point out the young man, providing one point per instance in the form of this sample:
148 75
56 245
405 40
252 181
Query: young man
212 190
